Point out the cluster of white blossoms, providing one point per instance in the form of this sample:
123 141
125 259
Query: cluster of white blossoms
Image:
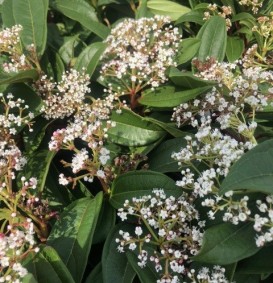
227 101
13 116
263 223
10 37
222 11
205 275
224 119
14 246
168 222
139 53
64 98
10 44
254 4
90 125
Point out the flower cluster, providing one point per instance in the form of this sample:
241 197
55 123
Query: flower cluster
224 12
139 53
224 119
64 98
264 224
14 246
13 117
204 275
227 102
10 45
224 129
254 4
168 222
90 125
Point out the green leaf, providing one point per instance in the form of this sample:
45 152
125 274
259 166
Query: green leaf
235 48
32 140
139 183
132 130
168 97
147 274
66 51
29 278
7 13
142 10
115 266
38 166
32 16
72 234
106 222
160 159
167 8
46 266
253 171
188 80
227 243
249 278
52 64
259 263
22 76
188 49
89 58
168 127
192 16
82 12
243 16
58 196
95 275
213 35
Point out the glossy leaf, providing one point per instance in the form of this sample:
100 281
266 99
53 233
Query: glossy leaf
72 234
82 12
95 275
213 36
168 97
115 266
106 222
243 16
22 76
259 263
227 243
249 278
168 127
58 196
66 51
46 266
188 80
142 10
32 16
89 58
253 171
32 140
7 13
139 183
132 130
188 49
167 8
192 16
38 166
160 159
29 278
235 48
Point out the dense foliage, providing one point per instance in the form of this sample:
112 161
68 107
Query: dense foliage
136 141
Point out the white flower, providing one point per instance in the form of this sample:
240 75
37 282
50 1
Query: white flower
138 231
